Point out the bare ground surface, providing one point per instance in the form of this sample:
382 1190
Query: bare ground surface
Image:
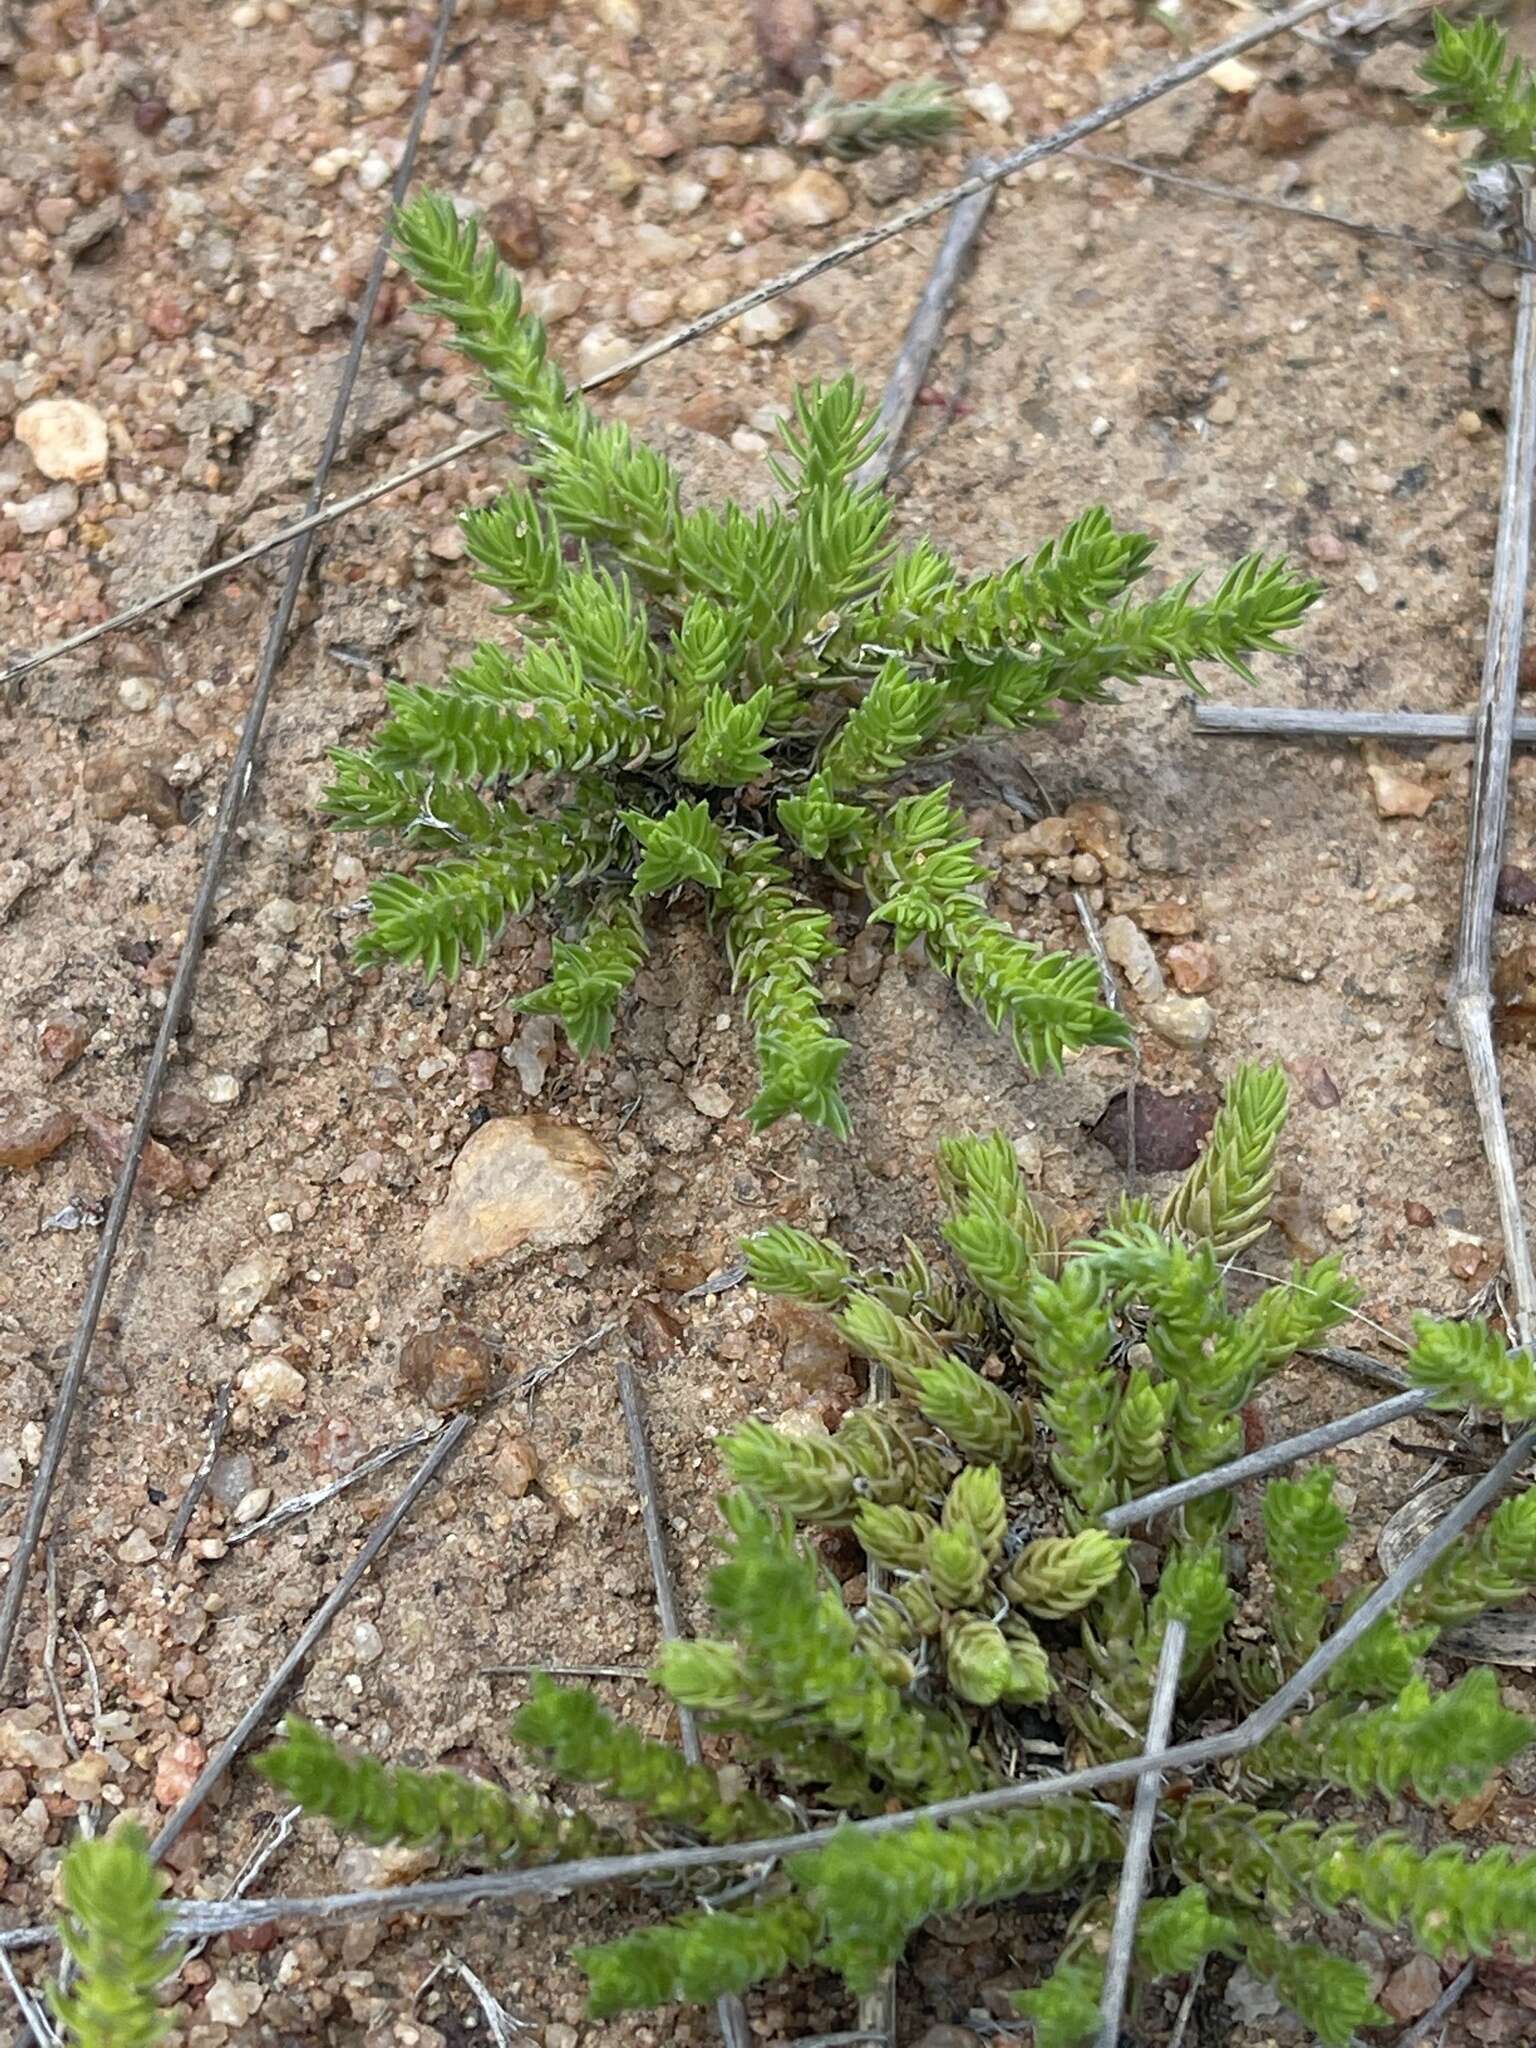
1228 379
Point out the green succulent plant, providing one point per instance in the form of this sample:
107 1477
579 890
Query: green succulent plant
1474 82
909 114
1040 1385
724 704
115 1932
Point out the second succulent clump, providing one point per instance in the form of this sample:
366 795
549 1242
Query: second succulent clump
1041 1386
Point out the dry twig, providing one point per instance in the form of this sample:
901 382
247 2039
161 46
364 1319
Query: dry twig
199 1482
926 327
1138 1841
553 1670
305 1503
1470 999
179 996
1287 722
1237 195
444 1444
729 2010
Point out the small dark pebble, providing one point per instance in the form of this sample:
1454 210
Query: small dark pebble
1514 994
655 1330
1315 1082
516 230
447 1368
1169 1129
1515 890
150 116
253 1940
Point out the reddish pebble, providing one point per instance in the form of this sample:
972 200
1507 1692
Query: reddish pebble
1466 1261
1418 1215
161 1172
656 1330
31 1129
657 140
1194 967
60 1041
447 1368
711 412
1168 917
515 1465
252 1940
166 318
176 1772
480 1070
1515 890
334 1447
150 116
1411 1990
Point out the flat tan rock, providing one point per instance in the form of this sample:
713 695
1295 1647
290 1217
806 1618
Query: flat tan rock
67 439
1399 795
520 1181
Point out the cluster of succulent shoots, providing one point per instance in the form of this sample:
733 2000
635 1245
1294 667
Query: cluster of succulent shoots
1034 1388
722 706
1123 1347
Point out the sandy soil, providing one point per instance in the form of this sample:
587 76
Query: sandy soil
187 209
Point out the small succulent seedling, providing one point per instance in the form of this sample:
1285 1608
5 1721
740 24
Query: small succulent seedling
909 115
115 1932
724 704
1036 1387
1475 83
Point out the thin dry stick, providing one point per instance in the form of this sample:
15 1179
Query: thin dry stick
1361 1364
51 1654
195 1491
1138 1840
925 328
1237 195
179 997
1106 116
556 1879
444 1445
843 2040
305 1503
729 2010
1342 1430
1187 2006
1470 1000
1402 728
877 2014
38 2024
564 1670
271 1842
